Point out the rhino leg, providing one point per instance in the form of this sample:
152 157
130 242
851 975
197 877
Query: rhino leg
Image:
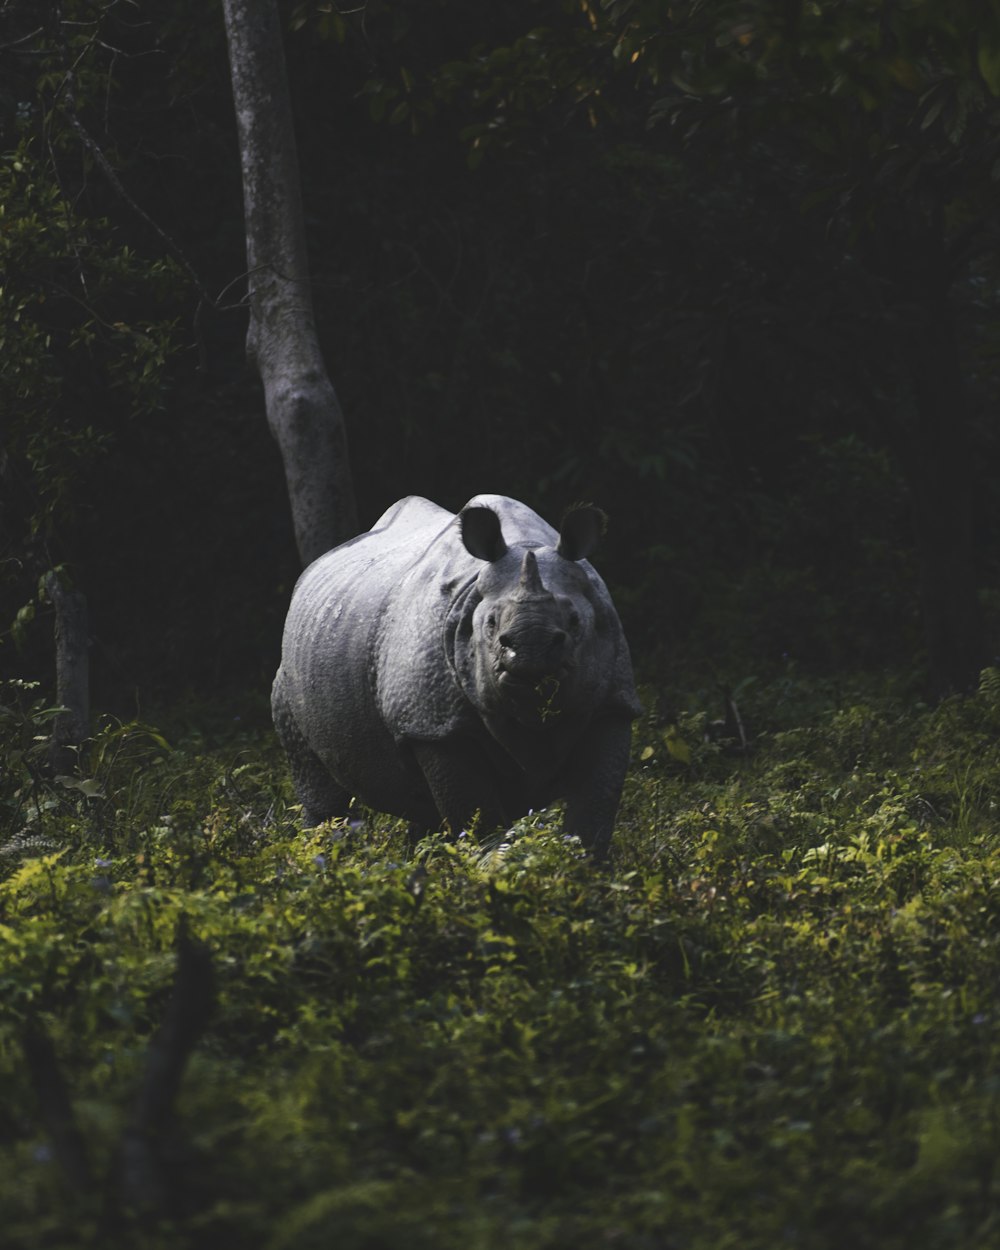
594 781
321 797
461 784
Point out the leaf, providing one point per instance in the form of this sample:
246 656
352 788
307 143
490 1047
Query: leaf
379 102
87 786
416 881
28 874
934 112
989 65
989 684
361 1195
647 753
24 617
905 73
676 745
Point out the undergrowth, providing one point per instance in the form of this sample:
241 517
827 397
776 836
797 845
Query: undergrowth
771 1021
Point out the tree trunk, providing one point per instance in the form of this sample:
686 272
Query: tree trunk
302 407
939 468
72 724
909 252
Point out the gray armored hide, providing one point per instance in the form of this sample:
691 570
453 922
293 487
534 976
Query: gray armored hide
440 666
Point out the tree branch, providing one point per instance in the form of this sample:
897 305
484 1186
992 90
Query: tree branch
54 1106
141 1161
72 724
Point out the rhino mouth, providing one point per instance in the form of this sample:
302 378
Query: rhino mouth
539 688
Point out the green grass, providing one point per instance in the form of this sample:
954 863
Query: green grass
771 1021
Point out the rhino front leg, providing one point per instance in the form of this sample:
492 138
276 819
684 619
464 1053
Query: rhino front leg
460 783
594 783
321 797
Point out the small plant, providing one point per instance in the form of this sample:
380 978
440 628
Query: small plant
771 1018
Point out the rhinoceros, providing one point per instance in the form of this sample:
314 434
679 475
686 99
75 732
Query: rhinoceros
440 665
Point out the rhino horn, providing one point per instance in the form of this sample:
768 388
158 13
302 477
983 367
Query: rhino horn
531 580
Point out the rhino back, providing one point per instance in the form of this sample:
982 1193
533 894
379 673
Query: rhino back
332 649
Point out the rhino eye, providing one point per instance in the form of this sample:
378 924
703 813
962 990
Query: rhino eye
491 623
574 621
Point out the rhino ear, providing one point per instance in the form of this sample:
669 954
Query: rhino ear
581 531
481 533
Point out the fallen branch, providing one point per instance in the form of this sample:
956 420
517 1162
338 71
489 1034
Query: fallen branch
141 1172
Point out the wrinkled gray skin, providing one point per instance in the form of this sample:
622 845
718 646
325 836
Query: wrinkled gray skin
440 665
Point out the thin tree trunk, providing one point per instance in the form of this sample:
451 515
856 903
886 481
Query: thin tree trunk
938 465
72 725
910 253
55 1106
302 407
143 1177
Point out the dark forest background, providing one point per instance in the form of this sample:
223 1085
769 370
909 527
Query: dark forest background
727 270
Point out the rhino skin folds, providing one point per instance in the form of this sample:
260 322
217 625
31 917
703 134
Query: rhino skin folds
440 666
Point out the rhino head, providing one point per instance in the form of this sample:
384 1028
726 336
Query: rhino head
535 630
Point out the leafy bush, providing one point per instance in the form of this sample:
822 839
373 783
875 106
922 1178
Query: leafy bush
771 1022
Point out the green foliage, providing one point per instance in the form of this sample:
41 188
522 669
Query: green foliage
88 322
52 336
772 1021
